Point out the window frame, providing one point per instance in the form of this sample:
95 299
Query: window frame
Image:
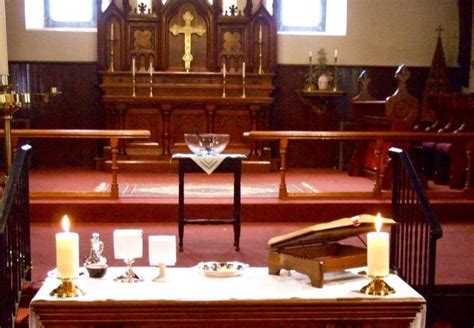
320 28
51 23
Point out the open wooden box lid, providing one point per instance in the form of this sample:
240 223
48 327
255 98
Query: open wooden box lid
327 232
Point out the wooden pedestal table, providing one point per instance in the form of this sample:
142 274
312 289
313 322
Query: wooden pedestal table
230 163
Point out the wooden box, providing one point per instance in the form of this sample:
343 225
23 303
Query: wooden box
314 250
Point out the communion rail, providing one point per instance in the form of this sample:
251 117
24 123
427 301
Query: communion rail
413 239
15 255
379 137
112 135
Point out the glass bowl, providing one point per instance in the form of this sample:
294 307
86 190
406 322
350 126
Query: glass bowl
206 144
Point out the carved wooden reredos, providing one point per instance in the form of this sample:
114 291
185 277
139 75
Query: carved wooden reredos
218 35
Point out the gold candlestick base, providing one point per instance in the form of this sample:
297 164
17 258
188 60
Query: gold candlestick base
310 87
67 289
377 287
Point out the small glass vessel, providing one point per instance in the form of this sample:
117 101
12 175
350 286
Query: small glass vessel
96 263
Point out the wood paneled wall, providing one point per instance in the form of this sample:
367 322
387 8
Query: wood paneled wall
79 108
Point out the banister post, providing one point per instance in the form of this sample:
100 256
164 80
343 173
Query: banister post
114 189
378 165
468 184
283 192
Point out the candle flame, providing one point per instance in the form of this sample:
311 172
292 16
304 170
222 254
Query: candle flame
66 224
378 223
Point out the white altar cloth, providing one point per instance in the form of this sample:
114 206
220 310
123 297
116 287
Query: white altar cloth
189 284
208 163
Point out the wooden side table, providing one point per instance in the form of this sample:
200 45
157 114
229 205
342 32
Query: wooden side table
228 165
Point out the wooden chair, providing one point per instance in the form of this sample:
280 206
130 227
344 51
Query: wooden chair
450 159
398 112
413 239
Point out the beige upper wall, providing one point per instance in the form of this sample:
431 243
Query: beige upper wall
379 32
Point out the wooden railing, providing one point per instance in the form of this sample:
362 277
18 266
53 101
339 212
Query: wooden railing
112 135
15 250
379 137
413 239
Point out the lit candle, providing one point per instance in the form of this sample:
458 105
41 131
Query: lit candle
112 31
243 69
310 56
150 69
335 54
67 252
378 251
223 70
128 244
260 33
162 250
133 66
3 41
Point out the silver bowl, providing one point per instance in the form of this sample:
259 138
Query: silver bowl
206 144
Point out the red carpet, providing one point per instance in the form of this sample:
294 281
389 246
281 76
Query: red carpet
262 218
254 209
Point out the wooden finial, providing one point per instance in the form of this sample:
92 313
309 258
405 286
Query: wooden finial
439 29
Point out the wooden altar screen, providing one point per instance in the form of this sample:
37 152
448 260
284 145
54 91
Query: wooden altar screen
198 68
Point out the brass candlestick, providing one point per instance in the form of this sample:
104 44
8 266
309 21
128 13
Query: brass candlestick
260 42
243 86
309 83
335 74
151 83
134 87
377 287
112 41
223 86
67 289
10 102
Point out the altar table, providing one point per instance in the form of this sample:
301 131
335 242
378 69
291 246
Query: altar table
255 299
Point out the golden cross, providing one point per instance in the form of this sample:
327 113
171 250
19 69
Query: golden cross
187 30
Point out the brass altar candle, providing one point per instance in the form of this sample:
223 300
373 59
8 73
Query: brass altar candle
67 289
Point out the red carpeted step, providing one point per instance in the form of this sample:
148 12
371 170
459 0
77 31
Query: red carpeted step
29 290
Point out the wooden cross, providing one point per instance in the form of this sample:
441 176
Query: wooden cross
187 30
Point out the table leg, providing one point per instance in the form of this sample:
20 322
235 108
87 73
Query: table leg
236 220
181 207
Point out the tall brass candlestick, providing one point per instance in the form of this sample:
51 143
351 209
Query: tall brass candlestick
133 78
111 67
243 80
133 86
151 79
335 70
223 80
260 42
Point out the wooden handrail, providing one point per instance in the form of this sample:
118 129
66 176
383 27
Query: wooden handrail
359 135
79 133
283 137
112 135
